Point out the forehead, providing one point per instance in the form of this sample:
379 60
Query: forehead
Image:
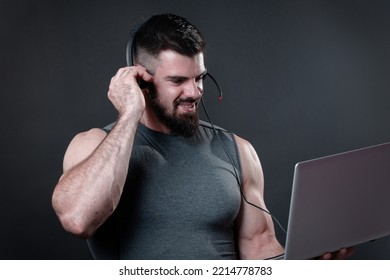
171 63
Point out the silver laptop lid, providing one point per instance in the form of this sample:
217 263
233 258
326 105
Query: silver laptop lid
339 201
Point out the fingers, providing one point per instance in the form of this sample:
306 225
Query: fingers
134 73
346 253
124 91
341 254
327 256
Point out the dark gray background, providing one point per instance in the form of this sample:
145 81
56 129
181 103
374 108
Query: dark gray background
301 79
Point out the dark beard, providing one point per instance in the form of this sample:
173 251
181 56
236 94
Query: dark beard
185 124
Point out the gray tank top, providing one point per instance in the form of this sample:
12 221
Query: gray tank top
180 200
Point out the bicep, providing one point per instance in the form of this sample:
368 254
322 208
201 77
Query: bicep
254 224
81 147
253 218
253 207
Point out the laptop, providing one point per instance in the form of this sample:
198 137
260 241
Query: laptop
339 201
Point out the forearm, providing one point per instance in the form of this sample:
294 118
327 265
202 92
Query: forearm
88 193
255 250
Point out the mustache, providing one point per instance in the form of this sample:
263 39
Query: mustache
177 102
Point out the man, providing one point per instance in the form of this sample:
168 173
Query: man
159 184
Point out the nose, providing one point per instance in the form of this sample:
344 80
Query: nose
194 88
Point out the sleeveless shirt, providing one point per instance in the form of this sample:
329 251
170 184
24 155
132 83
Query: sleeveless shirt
180 199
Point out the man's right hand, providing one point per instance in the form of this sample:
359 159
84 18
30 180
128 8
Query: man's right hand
125 93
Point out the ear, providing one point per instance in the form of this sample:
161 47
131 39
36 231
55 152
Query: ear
147 89
146 92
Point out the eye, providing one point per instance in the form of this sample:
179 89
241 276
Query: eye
201 78
177 81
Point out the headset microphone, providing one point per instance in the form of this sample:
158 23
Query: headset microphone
217 85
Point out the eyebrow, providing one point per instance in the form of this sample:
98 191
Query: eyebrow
183 78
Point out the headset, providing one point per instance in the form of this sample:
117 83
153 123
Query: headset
130 50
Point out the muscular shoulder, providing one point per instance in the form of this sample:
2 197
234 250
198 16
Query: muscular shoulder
251 167
246 149
81 146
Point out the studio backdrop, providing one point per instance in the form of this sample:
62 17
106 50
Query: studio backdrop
301 79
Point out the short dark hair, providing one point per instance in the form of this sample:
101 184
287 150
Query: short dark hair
168 32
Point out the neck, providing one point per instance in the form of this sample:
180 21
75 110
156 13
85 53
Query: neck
150 120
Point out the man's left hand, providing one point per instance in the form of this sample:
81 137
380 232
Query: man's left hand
341 254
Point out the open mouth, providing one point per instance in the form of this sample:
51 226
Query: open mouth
187 106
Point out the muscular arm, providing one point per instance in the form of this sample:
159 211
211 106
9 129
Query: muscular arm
96 164
256 234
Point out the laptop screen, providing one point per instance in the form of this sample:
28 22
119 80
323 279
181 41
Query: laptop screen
339 201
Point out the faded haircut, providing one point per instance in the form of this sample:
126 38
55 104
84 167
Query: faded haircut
167 32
